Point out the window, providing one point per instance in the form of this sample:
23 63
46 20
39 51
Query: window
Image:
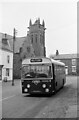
7 71
37 71
73 68
40 39
36 38
28 49
8 59
4 41
32 39
20 50
73 61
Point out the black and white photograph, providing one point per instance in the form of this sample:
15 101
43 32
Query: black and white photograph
39 59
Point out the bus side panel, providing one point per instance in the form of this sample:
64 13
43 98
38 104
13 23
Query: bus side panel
60 78
63 76
56 78
61 72
53 83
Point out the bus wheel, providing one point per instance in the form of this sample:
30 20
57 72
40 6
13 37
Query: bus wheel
62 84
22 90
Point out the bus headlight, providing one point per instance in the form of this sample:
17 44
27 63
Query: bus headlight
46 90
44 85
28 85
26 90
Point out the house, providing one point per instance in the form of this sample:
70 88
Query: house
71 62
6 59
18 44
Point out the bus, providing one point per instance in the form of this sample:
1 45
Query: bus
42 75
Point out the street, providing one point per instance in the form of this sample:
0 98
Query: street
61 105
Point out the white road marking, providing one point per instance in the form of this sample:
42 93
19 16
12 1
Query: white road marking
7 98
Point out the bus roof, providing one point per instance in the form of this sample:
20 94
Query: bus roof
41 60
38 60
57 62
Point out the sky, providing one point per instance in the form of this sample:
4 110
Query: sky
60 18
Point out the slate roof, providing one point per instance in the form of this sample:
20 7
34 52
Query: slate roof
18 42
4 46
65 56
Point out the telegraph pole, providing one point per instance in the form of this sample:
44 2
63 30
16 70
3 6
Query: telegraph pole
14 32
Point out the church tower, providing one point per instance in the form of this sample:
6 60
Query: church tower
37 37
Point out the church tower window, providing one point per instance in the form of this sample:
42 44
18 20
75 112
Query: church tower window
36 38
41 39
32 39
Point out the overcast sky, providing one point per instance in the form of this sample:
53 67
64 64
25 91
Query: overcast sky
60 18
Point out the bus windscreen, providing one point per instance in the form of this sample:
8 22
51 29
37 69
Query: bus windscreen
37 71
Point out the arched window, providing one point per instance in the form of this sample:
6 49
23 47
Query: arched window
20 50
41 39
32 39
36 38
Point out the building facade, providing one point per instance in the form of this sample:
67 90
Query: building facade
37 36
71 63
6 59
34 44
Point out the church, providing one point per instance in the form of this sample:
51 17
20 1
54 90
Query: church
34 44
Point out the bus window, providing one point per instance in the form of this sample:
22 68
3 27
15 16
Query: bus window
37 71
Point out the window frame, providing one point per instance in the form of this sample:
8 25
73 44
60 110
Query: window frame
74 62
74 69
8 59
7 72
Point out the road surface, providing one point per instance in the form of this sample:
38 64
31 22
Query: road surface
61 105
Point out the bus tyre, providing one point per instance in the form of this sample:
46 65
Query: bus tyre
54 92
22 90
62 84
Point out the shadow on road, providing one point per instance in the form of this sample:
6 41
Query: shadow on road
37 95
